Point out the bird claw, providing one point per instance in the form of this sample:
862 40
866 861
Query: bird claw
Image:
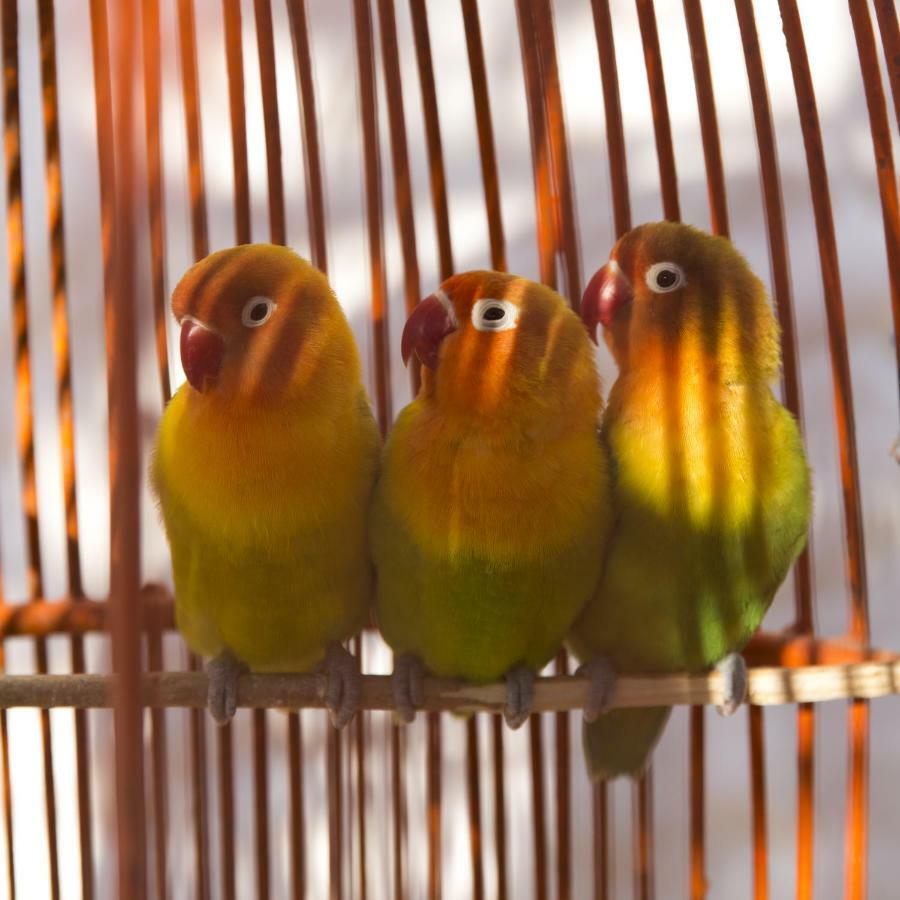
733 670
223 672
602 676
339 684
408 686
519 696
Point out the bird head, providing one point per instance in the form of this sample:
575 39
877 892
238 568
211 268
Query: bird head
671 285
259 323
493 344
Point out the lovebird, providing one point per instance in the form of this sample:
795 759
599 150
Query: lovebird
491 510
711 488
263 468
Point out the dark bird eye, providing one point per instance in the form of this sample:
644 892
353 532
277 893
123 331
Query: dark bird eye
256 311
663 277
490 314
666 278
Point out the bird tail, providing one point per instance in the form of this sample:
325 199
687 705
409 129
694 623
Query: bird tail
620 742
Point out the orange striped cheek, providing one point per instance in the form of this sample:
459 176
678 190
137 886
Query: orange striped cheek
479 366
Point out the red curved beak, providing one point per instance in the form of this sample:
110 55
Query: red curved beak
607 292
201 354
430 322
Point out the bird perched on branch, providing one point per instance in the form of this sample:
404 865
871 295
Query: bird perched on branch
264 467
492 510
710 482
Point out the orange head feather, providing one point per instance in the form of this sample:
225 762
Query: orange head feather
499 347
258 324
669 285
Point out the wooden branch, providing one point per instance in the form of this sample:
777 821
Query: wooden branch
768 687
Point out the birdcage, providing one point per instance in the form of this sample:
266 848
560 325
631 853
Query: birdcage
387 143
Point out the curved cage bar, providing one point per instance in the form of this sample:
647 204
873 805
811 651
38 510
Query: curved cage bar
392 144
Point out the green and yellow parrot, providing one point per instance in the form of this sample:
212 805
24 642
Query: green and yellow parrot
492 508
710 483
264 467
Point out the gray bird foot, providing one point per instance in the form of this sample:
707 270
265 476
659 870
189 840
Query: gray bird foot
602 676
733 670
519 696
408 686
339 684
223 672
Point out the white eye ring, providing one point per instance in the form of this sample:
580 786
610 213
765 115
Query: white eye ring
670 268
247 314
494 315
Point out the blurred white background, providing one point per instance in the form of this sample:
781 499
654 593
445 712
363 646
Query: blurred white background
860 237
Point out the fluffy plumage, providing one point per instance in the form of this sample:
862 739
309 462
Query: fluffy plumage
491 511
264 466
711 486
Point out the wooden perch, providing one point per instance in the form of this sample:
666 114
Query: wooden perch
768 687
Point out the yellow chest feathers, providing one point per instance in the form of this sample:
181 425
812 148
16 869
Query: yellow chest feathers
496 496
261 476
707 452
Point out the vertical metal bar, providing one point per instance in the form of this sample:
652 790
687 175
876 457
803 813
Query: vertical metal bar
563 192
277 235
198 775
226 810
398 804
334 777
709 128
15 237
7 796
540 149
499 805
856 845
53 172
473 795
642 798
886 12
837 332
187 46
125 479
234 59
806 736
857 808
563 795
494 212
618 174
153 118
781 288
266 47
697 753
881 145
612 108
433 142
399 162
261 797
536 737
484 123
231 14
298 835
360 727
362 18
599 809
659 106
433 801
758 782
315 195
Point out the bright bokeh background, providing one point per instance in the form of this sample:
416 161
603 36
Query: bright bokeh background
860 237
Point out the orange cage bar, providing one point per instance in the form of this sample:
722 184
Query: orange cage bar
390 800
